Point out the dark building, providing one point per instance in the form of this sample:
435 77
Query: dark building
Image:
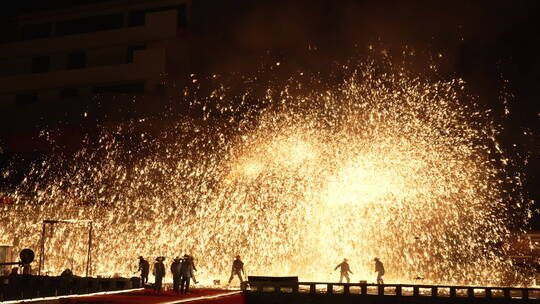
73 67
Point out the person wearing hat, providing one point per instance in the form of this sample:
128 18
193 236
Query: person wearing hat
379 269
237 269
175 270
186 272
159 273
144 268
345 270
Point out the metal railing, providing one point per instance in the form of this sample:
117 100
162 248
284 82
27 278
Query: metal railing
398 290
28 287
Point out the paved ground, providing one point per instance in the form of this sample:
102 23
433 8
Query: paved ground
206 296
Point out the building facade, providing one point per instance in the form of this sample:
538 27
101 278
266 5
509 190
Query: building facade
70 59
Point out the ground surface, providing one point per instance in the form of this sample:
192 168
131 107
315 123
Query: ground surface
206 296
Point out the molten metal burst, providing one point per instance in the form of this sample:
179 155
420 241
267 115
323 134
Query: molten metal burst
384 164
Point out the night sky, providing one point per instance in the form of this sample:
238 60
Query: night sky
485 43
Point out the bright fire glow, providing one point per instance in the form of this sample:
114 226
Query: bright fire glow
384 164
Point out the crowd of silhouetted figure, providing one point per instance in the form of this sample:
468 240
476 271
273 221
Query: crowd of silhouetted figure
183 272
345 269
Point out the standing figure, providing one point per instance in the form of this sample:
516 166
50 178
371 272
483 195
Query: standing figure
27 269
144 268
13 277
379 269
159 273
186 272
194 269
237 269
175 270
345 270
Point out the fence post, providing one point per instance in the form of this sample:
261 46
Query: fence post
329 288
380 290
525 293
312 288
363 289
434 291
470 292
452 292
416 291
346 289
488 293
399 292
506 292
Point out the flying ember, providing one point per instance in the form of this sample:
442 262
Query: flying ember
381 164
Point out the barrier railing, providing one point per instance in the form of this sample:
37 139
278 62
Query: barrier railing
399 290
28 287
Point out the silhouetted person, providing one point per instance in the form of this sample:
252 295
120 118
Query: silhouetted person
194 269
175 270
379 269
345 270
13 279
27 269
237 269
144 268
159 273
186 272
66 280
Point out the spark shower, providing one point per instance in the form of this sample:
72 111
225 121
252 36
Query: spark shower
384 163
